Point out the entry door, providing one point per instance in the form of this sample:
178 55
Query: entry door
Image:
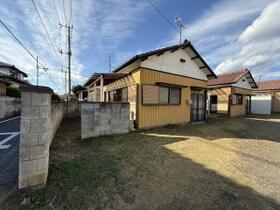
213 104
198 105
248 105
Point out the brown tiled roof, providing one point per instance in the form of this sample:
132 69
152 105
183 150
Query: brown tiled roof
269 85
227 78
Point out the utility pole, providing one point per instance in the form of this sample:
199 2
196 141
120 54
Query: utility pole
37 68
65 72
69 61
260 78
69 53
109 63
181 26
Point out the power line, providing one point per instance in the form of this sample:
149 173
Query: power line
71 12
26 49
56 11
4 25
38 13
64 10
169 22
162 15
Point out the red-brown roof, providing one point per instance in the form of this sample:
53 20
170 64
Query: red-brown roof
227 78
232 78
269 85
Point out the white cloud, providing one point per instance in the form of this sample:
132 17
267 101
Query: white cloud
267 25
259 47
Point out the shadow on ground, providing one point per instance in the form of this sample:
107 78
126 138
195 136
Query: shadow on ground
136 171
251 127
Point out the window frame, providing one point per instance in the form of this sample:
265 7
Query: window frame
161 104
238 102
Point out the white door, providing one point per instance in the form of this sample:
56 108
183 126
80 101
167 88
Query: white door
261 104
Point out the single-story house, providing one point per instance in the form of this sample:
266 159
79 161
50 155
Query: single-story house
230 93
267 97
163 86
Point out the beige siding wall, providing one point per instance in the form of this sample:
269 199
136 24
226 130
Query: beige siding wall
276 102
238 110
223 99
156 115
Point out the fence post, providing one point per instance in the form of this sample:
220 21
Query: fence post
34 137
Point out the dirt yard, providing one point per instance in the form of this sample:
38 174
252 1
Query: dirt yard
223 164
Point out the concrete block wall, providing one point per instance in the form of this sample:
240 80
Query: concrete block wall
57 113
34 137
104 118
74 109
9 107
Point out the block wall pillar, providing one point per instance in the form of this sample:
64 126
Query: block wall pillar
34 137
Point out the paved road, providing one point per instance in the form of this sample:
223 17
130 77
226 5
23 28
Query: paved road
9 140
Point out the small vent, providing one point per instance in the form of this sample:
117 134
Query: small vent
182 60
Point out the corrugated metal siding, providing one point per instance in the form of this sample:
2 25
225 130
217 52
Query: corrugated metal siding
155 115
276 102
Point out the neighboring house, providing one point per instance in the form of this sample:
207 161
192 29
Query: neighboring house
163 86
3 86
267 97
10 73
230 93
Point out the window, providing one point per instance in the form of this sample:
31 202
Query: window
124 94
119 95
163 95
150 94
236 99
159 95
175 96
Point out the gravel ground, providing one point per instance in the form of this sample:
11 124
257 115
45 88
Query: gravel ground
260 152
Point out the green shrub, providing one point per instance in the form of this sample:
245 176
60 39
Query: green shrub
13 91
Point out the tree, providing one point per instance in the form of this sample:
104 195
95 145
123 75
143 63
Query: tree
55 97
77 88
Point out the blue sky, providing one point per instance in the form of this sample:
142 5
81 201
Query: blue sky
230 35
